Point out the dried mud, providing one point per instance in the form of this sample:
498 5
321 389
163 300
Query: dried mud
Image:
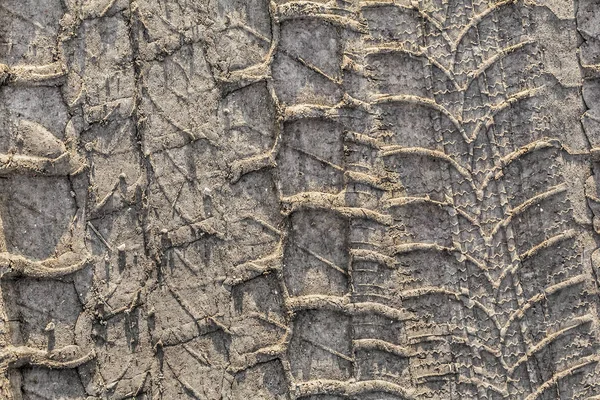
324 200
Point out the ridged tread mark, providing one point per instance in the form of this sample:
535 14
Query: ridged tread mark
65 162
337 202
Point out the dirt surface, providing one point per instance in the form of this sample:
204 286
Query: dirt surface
244 199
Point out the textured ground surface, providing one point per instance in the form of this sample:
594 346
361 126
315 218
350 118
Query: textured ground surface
244 199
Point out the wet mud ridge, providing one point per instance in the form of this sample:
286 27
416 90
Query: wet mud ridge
320 200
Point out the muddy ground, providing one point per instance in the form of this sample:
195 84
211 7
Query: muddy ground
324 200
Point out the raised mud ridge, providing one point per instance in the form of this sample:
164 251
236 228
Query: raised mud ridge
320 200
